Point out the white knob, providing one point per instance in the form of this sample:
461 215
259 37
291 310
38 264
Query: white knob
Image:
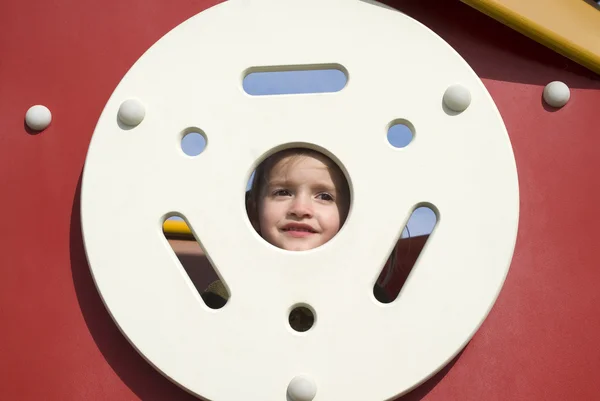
557 94
302 388
132 112
457 98
38 117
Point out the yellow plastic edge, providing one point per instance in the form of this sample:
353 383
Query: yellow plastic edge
177 229
537 32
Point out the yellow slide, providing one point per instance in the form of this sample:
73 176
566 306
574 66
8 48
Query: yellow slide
569 27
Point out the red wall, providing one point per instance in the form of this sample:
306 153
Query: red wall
57 342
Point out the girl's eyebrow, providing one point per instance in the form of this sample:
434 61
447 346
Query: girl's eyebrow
277 183
318 185
325 187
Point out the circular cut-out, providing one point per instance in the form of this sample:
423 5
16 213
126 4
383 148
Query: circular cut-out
193 143
308 205
139 181
400 134
457 98
132 112
301 318
557 94
38 117
302 388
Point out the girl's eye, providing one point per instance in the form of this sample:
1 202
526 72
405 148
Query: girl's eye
325 196
281 192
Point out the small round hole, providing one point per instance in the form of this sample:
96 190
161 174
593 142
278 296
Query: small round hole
193 143
400 134
301 319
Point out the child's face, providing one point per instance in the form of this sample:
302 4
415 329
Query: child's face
302 205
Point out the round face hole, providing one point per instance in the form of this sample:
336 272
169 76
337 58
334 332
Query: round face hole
301 319
193 143
298 199
400 134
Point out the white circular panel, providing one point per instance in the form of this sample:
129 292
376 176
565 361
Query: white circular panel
358 349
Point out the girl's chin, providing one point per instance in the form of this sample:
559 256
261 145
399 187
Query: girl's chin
292 243
295 245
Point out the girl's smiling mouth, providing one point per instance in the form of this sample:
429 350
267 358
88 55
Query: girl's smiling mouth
298 230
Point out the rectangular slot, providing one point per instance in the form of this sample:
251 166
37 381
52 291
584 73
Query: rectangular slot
293 80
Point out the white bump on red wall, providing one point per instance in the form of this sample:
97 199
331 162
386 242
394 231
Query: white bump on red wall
557 94
302 388
38 117
457 98
132 112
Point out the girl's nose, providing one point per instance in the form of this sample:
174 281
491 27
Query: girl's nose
301 206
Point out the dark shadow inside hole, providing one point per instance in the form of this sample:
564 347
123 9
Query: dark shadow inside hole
405 254
301 319
195 263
